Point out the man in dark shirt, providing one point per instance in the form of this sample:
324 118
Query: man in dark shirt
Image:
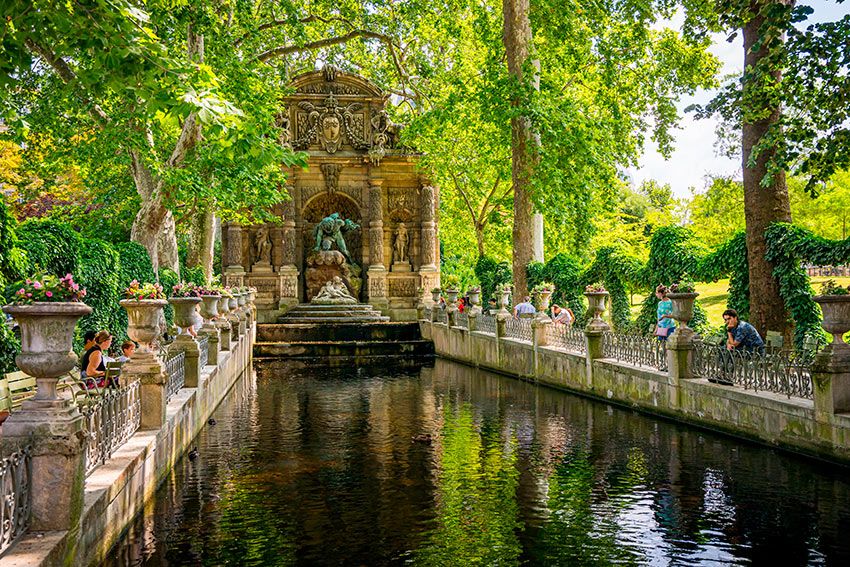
740 334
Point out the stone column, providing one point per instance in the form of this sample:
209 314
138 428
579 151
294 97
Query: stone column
187 344
680 352
537 238
223 326
428 244
377 273
288 270
233 250
830 382
594 332
210 330
473 319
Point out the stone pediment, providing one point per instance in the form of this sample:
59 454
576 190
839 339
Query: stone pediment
332 111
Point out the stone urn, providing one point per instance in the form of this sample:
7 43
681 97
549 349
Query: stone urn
543 298
836 317
475 297
505 294
435 294
597 303
47 332
209 307
232 303
241 299
185 309
452 294
144 316
683 308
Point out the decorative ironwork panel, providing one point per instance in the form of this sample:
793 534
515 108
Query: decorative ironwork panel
110 421
176 367
15 482
636 350
566 337
204 352
462 319
487 323
786 373
519 329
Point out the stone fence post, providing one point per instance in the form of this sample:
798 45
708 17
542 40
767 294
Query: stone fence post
188 345
149 370
593 333
831 382
539 337
473 319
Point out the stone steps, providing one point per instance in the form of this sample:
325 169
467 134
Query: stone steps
326 351
306 332
322 314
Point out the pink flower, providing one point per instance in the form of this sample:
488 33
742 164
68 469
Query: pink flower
48 293
36 285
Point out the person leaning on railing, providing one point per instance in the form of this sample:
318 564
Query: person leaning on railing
740 337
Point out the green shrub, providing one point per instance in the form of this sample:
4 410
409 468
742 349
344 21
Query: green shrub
9 347
135 263
491 274
615 270
565 272
13 260
51 247
100 272
195 274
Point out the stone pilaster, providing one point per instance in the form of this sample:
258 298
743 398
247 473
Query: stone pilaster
377 272
223 326
233 250
473 319
288 270
594 333
428 244
680 352
210 330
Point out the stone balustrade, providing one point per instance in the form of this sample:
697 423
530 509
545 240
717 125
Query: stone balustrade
776 401
121 446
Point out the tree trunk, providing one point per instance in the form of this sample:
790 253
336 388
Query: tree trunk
516 37
763 205
202 242
479 237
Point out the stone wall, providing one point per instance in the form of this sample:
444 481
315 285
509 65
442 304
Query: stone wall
775 419
118 490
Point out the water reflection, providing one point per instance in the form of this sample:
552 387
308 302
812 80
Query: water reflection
319 467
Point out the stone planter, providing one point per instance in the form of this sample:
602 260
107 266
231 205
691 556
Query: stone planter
597 302
543 298
47 332
836 317
209 307
233 304
452 293
242 299
435 295
505 303
683 308
185 309
475 297
252 296
144 316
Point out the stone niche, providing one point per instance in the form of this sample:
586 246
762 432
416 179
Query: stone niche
357 168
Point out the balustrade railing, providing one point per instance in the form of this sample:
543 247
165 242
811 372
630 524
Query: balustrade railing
566 337
176 367
204 352
636 350
786 373
462 319
519 329
487 323
15 482
110 419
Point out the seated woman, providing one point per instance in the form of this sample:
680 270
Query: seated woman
93 364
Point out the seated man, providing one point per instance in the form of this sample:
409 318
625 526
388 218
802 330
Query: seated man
562 316
740 334
524 309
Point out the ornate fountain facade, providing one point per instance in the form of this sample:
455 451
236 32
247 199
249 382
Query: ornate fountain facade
356 168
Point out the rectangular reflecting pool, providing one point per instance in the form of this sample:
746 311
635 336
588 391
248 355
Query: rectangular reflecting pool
448 465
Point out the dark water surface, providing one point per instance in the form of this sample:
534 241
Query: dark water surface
318 467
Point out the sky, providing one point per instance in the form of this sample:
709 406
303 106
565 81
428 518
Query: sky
695 156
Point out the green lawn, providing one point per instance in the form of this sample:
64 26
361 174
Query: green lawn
713 296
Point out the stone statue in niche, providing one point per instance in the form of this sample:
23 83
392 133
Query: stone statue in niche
330 231
334 292
400 245
262 250
285 136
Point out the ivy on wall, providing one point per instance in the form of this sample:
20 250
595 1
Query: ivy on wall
566 273
616 271
729 260
788 248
